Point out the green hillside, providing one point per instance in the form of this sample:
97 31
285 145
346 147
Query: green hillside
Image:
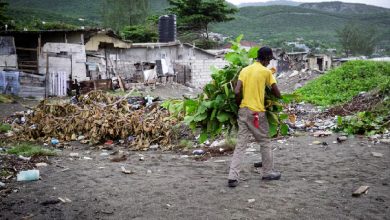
68 11
289 22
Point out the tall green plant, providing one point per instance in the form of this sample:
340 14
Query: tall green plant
215 110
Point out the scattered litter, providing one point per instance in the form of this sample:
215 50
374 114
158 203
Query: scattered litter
87 158
184 156
28 175
104 154
153 147
81 137
320 181
54 141
142 158
219 161
2 185
109 142
360 191
198 152
317 142
74 154
376 154
251 149
41 164
65 200
149 172
126 171
24 158
169 205
322 133
251 200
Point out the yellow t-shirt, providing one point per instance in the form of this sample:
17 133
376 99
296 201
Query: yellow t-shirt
254 78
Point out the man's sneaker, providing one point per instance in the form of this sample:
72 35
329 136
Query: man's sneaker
272 176
258 164
232 183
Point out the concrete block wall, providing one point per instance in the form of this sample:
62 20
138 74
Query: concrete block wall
201 70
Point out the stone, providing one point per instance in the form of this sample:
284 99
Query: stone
2 185
317 142
74 154
342 138
376 154
360 191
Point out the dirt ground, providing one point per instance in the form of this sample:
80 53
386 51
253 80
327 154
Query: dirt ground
317 183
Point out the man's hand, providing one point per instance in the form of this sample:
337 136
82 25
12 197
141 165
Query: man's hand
275 91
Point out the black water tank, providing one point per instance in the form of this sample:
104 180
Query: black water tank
167 28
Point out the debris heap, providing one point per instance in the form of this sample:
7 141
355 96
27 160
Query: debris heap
98 117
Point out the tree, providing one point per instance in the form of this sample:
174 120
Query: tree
3 17
356 40
198 14
120 13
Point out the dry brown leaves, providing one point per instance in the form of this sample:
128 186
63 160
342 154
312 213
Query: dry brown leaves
98 117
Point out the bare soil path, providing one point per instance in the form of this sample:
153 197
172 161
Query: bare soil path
317 183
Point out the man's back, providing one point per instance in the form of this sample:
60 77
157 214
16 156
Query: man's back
254 79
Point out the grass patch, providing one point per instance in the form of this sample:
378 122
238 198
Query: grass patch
6 99
28 150
340 85
185 144
5 128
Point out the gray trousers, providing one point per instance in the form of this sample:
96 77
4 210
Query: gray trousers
246 128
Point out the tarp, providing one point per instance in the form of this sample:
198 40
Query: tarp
9 82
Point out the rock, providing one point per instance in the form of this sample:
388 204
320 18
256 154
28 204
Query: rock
198 152
251 200
360 191
81 137
385 141
118 158
342 138
50 202
74 154
322 133
28 175
2 185
317 142
41 164
375 154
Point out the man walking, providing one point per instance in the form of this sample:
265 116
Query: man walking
250 93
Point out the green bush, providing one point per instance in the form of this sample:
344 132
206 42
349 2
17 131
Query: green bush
342 84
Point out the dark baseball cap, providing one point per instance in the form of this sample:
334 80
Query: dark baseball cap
265 53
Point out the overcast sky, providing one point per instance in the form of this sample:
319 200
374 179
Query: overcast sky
381 3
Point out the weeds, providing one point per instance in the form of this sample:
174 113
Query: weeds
28 150
342 84
5 128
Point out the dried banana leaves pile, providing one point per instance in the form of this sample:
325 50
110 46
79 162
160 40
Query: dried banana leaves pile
99 117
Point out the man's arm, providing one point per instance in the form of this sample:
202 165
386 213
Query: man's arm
275 91
238 92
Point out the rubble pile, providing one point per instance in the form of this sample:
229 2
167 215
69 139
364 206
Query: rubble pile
95 118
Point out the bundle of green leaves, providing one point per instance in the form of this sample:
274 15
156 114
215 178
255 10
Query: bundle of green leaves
215 110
